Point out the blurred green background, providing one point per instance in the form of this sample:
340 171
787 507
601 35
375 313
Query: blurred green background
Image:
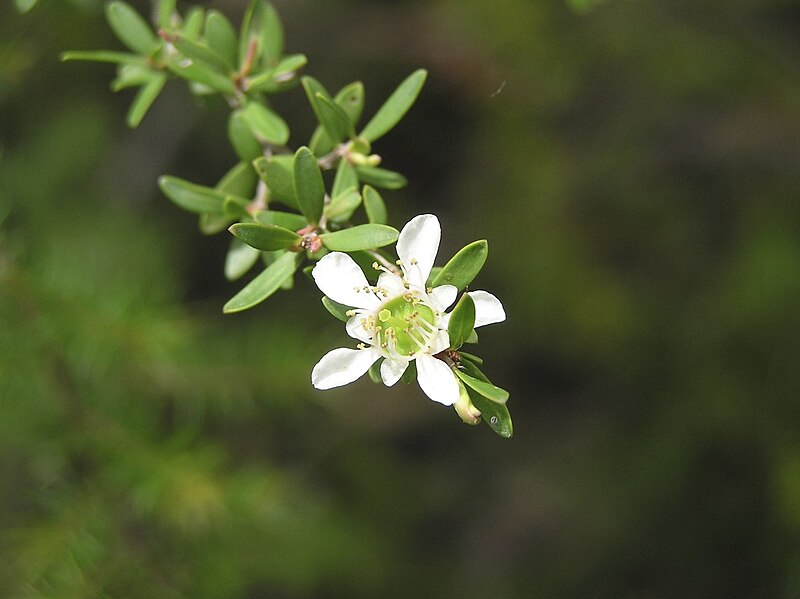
635 168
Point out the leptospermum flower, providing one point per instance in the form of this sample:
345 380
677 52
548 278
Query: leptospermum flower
399 319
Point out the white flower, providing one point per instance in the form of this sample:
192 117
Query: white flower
398 319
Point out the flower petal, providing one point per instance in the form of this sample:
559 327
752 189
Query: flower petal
355 328
437 380
488 308
443 296
340 278
342 366
417 247
392 284
392 370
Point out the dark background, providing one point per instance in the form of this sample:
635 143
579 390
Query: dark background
635 169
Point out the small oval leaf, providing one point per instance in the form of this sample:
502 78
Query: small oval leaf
360 237
494 414
265 284
464 266
309 187
239 260
244 143
192 197
267 126
335 308
342 206
381 177
374 205
395 106
267 238
131 28
486 389
462 321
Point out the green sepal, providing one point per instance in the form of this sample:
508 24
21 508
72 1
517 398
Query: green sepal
287 220
342 206
381 177
360 237
484 388
244 143
345 180
221 37
335 308
144 99
374 206
309 188
464 266
238 181
410 375
494 414
278 173
192 197
265 284
267 238
395 106
104 56
375 371
267 126
239 259
131 29
462 321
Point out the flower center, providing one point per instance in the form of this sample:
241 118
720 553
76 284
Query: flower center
404 325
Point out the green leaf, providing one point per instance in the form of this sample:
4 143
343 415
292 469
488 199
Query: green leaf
473 338
221 37
410 375
267 238
464 266
342 206
211 223
131 28
374 205
335 308
244 143
239 181
235 207
395 106
345 180
192 197
202 54
484 388
287 220
104 56
462 321
144 99
278 173
23 6
279 76
381 177
334 122
132 75
495 415
262 26
470 367
471 358
193 23
239 260
167 13
351 99
265 284
309 187
198 71
360 237
267 126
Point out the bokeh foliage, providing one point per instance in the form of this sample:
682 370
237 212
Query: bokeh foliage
635 169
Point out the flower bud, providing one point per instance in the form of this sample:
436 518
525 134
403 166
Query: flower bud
464 407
